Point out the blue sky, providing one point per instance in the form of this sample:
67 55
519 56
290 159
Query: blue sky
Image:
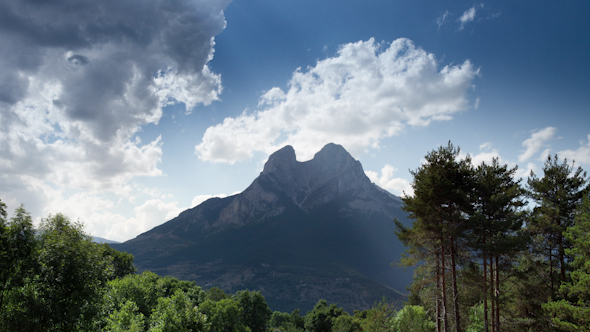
124 118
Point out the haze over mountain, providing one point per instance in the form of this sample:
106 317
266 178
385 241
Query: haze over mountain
300 232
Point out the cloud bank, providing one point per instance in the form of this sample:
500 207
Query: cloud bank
80 78
366 92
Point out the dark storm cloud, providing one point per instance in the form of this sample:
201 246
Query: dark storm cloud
78 60
104 55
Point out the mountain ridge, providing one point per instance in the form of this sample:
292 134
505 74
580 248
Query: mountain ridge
298 223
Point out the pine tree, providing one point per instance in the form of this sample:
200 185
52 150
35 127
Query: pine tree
439 207
494 227
573 312
557 195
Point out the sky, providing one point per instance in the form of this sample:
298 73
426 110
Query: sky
123 113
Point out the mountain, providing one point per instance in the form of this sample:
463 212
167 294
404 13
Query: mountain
300 232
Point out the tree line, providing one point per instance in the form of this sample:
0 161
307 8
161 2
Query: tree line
494 254
55 278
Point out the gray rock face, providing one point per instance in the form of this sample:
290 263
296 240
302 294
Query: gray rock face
332 173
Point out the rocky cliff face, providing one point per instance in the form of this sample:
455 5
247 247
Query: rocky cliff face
332 173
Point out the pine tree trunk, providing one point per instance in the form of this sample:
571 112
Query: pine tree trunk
485 289
497 295
443 286
492 302
438 291
561 258
455 292
551 269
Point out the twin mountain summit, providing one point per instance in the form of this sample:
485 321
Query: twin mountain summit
302 231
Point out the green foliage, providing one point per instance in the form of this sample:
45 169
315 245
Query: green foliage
143 290
528 291
378 318
441 206
557 195
224 315
127 318
18 265
255 311
476 319
177 313
2 212
321 318
412 318
298 320
158 303
346 323
190 288
53 281
122 261
282 321
573 312
216 294
279 319
72 275
59 280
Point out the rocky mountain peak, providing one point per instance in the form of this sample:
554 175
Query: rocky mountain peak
333 153
283 158
285 183
333 160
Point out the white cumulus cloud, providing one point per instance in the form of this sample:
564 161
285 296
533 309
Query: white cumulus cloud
536 142
366 92
581 155
486 155
386 180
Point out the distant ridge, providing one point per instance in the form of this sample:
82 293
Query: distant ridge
97 239
300 232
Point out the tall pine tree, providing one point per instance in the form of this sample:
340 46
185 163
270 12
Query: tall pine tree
439 207
573 313
492 233
557 195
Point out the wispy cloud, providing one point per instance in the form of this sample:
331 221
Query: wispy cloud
468 16
355 98
536 142
476 13
443 19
